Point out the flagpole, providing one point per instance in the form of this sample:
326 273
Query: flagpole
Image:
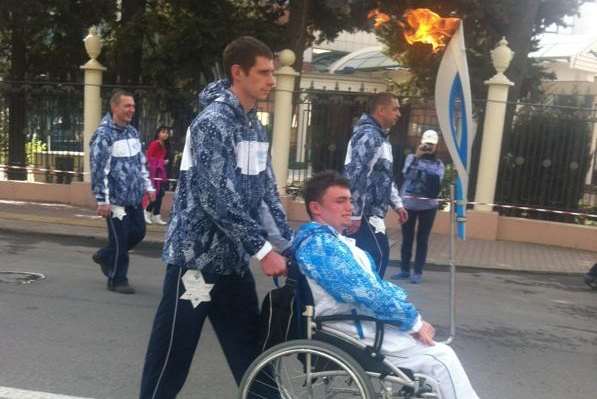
451 253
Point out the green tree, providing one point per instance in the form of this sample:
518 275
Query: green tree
520 21
184 47
41 39
315 21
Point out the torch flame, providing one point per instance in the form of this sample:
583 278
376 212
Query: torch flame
379 17
424 26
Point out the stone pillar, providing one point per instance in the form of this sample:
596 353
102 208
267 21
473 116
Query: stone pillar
589 176
92 108
283 94
493 126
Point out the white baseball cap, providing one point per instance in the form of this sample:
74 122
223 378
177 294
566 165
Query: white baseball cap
430 137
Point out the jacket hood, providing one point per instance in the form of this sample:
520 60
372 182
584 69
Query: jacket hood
107 120
310 229
109 123
212 91
368 121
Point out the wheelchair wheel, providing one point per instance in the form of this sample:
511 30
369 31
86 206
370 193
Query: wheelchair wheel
305 369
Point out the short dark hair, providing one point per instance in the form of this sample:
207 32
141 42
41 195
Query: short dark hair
117 94
316 186
244 52
379 100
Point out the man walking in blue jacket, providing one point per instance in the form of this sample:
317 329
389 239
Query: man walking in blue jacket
119 180
226 211
369 167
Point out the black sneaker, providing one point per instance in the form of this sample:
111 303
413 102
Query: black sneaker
591 281
106 268
121 288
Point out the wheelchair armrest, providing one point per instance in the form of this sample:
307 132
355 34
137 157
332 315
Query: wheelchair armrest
375 350
351 317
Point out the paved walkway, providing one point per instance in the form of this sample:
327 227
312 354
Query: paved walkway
73 221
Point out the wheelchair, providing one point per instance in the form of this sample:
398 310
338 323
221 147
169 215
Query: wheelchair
326 363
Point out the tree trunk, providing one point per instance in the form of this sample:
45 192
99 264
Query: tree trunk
519 33
16 105
130 42
297 32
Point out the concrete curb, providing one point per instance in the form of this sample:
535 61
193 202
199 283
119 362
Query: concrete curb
90 226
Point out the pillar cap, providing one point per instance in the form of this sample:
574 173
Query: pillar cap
93 46
286 57
501 56
499 80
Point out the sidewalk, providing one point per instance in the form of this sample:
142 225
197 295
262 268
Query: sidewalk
67 220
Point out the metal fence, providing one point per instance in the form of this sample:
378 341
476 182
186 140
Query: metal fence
323 123
321 128
41 125
45 119
547 161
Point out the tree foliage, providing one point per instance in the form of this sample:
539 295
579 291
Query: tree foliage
485 23
40 39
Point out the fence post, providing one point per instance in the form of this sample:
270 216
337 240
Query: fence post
593 145
493 126
92 94
283 94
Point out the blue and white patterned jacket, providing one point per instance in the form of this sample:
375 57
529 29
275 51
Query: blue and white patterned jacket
226 207
368 166
118 172
342 278
422 178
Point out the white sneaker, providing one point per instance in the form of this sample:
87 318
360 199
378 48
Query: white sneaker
147 217
157 219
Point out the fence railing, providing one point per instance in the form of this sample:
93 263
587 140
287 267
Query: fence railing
41 126
558 172
547 161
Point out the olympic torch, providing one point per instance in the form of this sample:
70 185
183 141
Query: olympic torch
452 90
453 106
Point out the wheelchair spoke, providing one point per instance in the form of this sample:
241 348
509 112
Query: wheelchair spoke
287 367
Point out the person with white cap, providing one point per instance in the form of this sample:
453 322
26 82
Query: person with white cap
423 173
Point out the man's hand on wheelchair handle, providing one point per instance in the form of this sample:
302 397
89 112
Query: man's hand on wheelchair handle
425 334
273 264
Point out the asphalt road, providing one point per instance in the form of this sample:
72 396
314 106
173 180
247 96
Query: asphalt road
518 335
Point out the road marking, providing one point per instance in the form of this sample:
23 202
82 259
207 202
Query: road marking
13 393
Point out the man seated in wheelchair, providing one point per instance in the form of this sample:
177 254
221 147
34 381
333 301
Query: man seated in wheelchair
343 280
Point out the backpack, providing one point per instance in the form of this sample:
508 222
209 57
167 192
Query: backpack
281 309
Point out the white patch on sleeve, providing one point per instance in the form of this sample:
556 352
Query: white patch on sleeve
383 152
386 152
348 153
126 148
251 157
187 161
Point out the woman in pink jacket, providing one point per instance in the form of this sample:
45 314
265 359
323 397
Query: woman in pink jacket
157 159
